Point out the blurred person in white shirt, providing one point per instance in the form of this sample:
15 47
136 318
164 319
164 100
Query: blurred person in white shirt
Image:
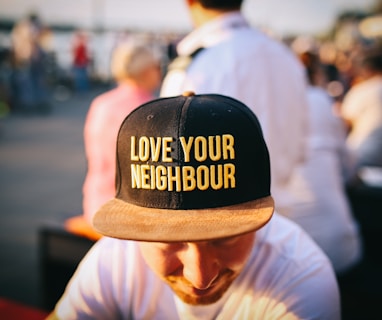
321 205
362 109
224 54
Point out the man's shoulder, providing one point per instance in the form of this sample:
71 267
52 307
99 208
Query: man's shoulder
291 254
288 239
121 247
250 45
286 263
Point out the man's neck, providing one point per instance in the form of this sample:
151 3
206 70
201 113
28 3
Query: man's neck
201 16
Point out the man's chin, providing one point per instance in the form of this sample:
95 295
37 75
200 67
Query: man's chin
196 297
200 300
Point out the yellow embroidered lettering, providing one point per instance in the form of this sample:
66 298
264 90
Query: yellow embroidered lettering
202 175
155 148
133 155
166 152
135 176
153 177
189 182
145 176
174 177
229 176
200 149
161 178
228 142
183 178
214 149
144 149
186 146
216 177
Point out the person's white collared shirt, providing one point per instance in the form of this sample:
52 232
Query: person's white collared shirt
244 63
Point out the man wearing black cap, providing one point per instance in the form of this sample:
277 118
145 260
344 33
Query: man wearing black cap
191 232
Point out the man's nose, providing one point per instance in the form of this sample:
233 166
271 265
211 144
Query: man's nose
200 266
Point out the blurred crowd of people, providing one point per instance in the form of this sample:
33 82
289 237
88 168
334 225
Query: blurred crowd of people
350 79
30 71
344 112
319 138
320 110
342 116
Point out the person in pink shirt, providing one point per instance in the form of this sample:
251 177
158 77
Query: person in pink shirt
136 70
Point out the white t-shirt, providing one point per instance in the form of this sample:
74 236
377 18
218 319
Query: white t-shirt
242 62
286 277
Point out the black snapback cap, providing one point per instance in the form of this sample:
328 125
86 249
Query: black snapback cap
188 168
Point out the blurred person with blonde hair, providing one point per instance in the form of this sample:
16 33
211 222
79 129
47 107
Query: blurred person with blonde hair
136 70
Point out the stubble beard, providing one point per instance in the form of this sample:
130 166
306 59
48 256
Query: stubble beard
217 291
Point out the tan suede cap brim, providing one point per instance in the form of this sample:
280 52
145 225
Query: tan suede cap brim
123 220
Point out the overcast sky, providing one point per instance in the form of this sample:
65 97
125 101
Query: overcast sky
281 16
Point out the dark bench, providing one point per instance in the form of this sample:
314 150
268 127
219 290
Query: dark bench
60 251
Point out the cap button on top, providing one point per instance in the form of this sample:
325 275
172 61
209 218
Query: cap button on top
188 93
